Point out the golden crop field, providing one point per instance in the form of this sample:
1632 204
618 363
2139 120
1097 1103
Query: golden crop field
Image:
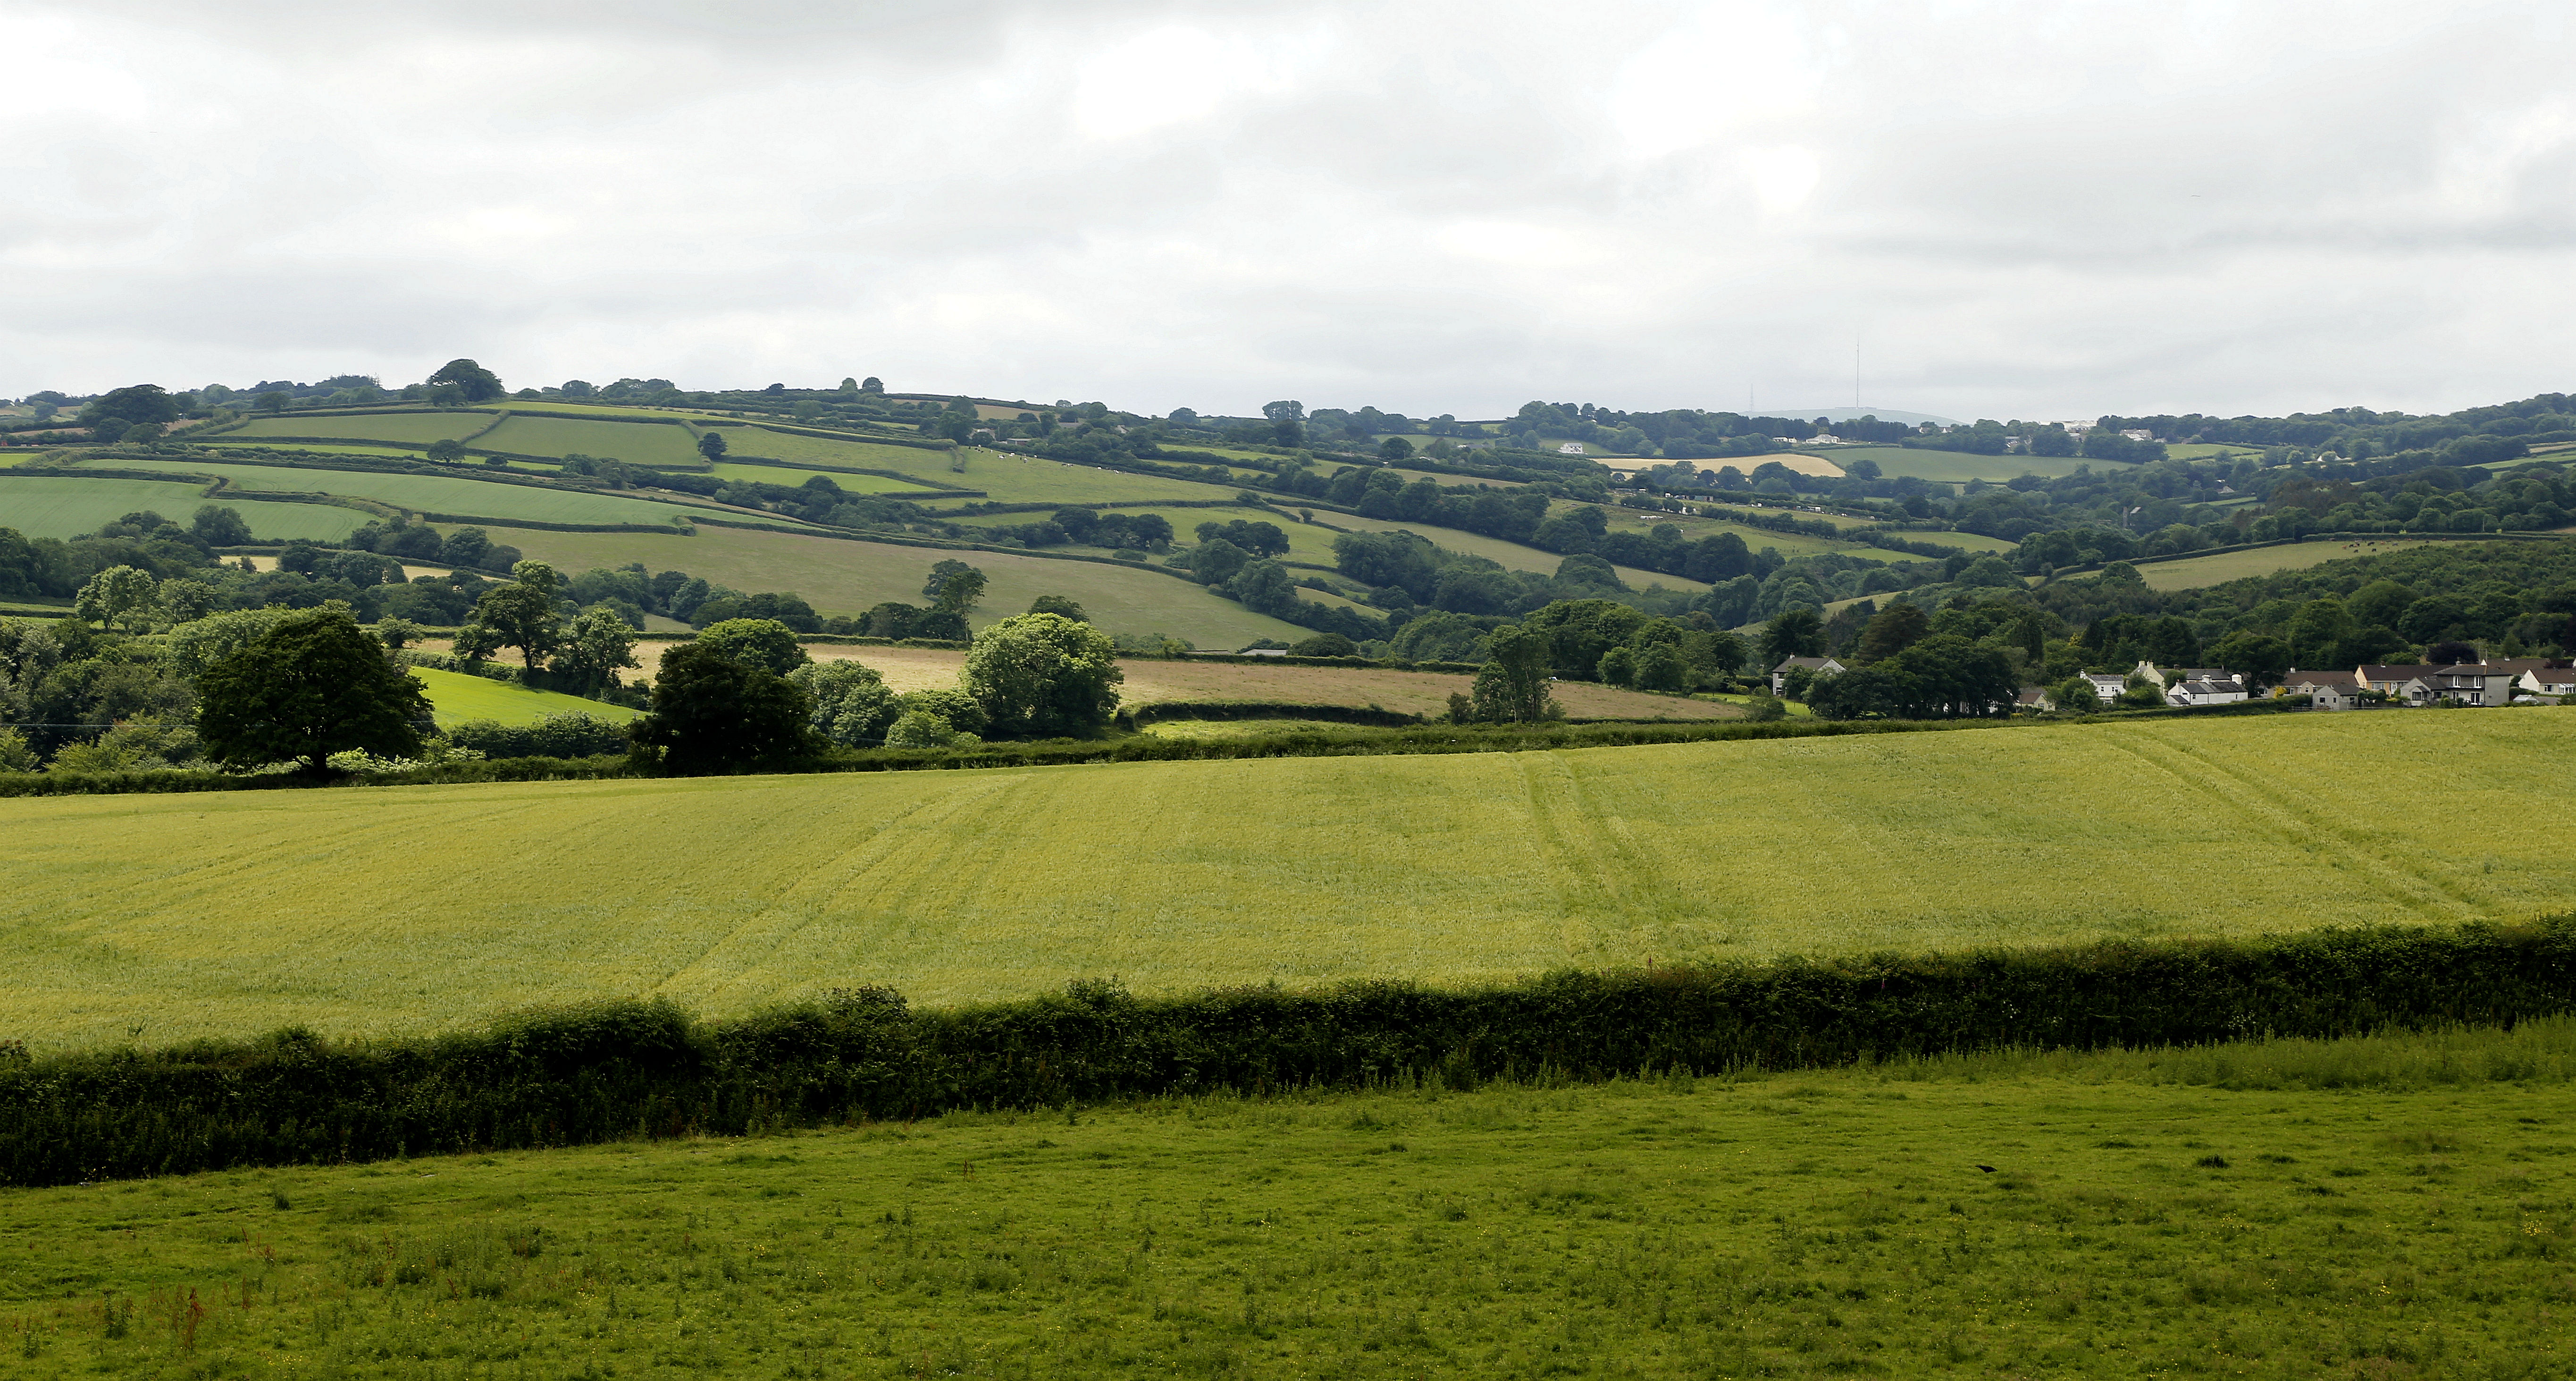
405 909
1152 680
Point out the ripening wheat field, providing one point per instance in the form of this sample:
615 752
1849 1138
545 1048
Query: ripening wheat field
403 909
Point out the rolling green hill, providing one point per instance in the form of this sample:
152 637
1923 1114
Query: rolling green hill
840 576
221 914
637 443
421 426
1954 467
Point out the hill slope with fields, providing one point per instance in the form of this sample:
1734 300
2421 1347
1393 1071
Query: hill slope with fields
203 915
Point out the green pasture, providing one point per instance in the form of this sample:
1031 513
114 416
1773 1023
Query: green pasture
637 443
2217 568
2371 1208
461 494
855 484
2204 450
68 506
608 412
848 577
1013 478
201 915
457 697
1956 467
318 448
1724 511
422 427
828 451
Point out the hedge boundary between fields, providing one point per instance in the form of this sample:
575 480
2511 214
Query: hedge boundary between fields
1162 710
619 1070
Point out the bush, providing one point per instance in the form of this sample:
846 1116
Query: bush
626 1069
572 735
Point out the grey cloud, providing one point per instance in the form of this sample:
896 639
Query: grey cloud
2017 209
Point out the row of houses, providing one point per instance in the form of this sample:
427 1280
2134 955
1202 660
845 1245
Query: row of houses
2469 683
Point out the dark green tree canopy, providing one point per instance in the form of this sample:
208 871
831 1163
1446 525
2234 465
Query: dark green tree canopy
714 714
1044 675
763 643
311 686
136 405
1058 604
478 384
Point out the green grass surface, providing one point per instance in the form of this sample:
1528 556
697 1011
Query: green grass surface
65 506
860 455
637 443
423 427
1958 466
458 697
2220 567
855 484
430 493
2366 1209
845 577
1014 478
219 914
2203 450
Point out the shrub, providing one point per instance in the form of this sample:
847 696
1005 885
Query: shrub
571 735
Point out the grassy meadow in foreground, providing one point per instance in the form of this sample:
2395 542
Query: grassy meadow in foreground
405 909
2370 1208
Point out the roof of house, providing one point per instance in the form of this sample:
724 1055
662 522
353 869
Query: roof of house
2396 673
2340 680
2205 686
1810 663
2519 665
2029 695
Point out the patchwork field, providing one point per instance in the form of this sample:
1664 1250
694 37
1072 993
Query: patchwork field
2363 1209
2273 1209
180 916
637 443
428 493
64 506
846 577
1151 680
458 697
2218 568
851 483
422 427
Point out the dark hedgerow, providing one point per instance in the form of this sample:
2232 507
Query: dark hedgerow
648 1069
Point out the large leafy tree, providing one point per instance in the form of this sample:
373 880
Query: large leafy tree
311 686
119 592
1044 675
1795 633
1513 686
764 643
139 405
712 713
479 385
522 614
592 650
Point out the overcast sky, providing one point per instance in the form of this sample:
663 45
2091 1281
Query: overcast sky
2006 210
